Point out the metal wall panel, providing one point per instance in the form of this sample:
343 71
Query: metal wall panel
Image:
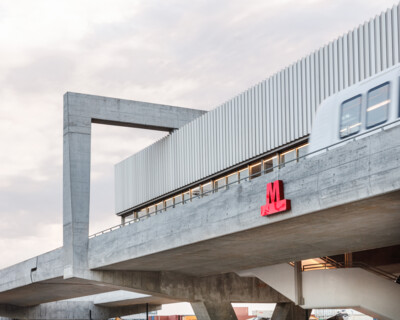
273 113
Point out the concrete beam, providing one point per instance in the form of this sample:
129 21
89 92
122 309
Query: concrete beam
71 310
164 287
123 298
226 287
80 111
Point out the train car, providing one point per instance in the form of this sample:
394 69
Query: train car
362 107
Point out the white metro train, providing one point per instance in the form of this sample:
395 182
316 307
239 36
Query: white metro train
362 107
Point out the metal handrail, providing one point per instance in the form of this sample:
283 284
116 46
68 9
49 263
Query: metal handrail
318 266
249 177
375 270
332 261
355 264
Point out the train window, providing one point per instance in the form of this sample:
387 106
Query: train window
350 120
378 101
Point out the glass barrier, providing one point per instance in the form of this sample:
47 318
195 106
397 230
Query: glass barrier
232 178
287 156
270 163
207 189
255 170
169 203
244 174
178 199
219 184
186 196
196 193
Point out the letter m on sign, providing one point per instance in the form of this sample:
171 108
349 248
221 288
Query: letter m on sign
276 201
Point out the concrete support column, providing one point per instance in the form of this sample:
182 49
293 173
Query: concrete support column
298 283
76 195
289 311
213 310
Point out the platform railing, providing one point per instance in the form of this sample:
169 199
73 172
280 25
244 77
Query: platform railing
318 266
356 264
247 178
333 262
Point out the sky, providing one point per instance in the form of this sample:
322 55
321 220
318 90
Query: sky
194 54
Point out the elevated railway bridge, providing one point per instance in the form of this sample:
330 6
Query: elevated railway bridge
229 207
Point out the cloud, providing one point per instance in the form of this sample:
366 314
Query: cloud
186 53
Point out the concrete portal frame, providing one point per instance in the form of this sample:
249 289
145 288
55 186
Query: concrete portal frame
80 111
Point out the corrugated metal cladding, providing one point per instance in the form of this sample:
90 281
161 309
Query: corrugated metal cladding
275 112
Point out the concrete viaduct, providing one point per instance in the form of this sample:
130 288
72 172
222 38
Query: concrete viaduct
218 249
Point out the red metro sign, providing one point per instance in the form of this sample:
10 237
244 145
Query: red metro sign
276 201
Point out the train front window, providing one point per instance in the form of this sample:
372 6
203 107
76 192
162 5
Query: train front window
350 120
378 101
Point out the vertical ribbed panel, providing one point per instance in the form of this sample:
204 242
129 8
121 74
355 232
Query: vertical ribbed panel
271 114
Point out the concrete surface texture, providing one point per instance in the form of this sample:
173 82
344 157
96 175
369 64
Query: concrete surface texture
122 298
80 111
71 310
224 287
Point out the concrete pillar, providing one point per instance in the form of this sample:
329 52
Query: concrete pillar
76 191
298 283
289 311
213 310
